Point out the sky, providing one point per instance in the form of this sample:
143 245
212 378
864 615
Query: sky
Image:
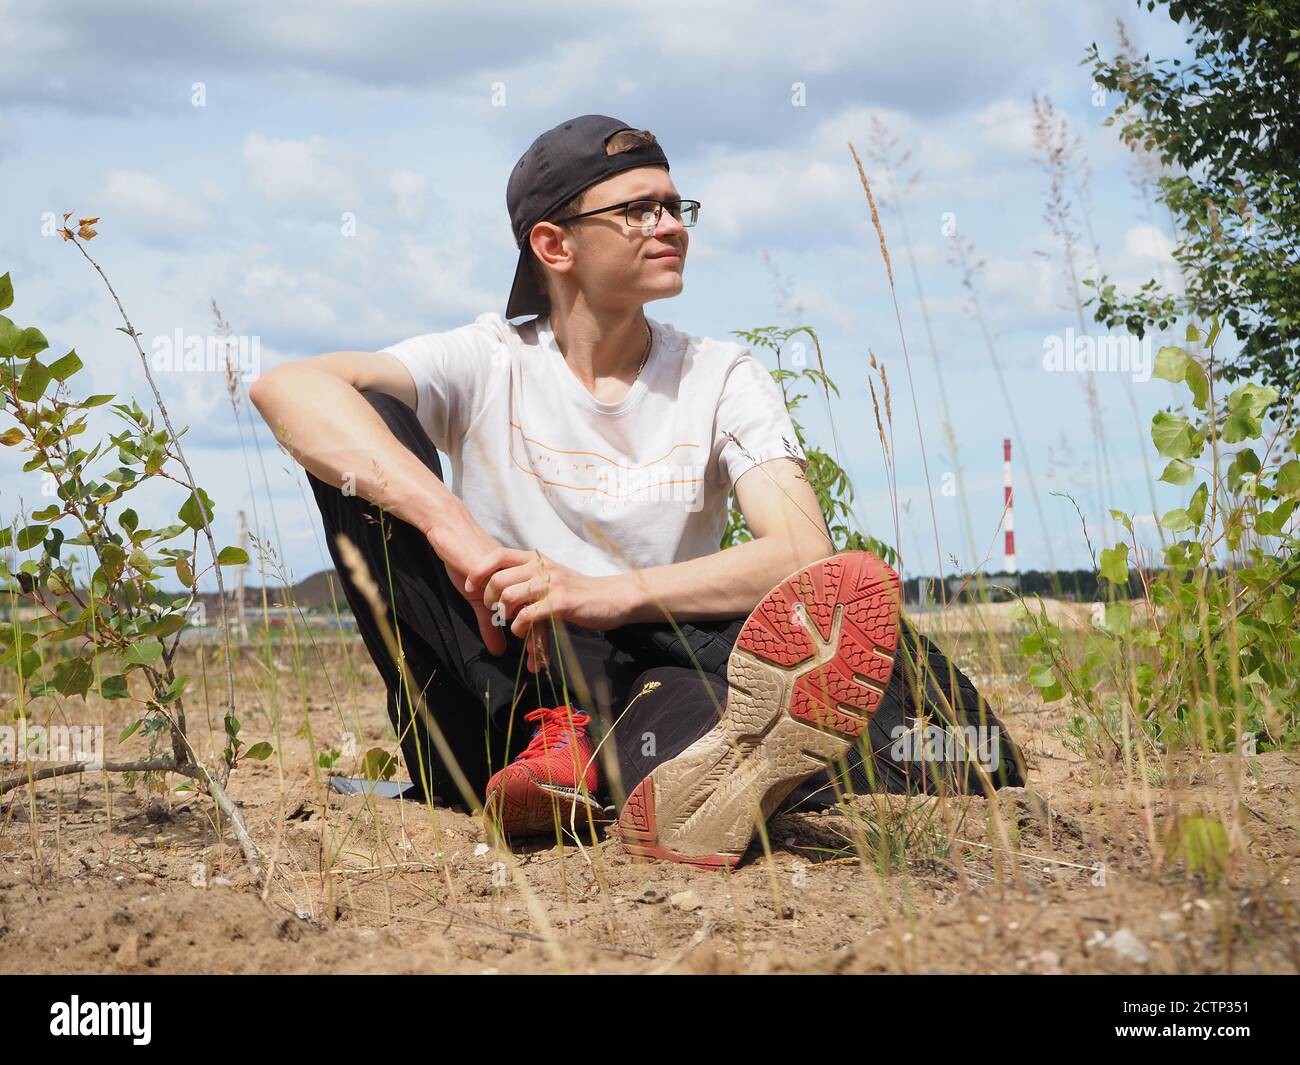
333 176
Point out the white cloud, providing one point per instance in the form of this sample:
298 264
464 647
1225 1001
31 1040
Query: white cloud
150 204
1007 126
819 306
299 297
1148 242
301 172
409 188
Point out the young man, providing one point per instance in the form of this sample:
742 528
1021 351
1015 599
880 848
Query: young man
592 452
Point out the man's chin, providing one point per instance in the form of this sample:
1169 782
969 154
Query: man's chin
650 297
667 290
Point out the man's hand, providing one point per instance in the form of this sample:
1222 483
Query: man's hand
461 547
493 638
532 588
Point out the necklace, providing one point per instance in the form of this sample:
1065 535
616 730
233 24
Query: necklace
648 342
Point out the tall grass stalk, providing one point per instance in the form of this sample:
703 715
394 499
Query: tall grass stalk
907 360
1054 150
883 154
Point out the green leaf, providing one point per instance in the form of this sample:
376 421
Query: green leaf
1246 407
34 381
6 292
232 556
97 400
73 676
29 342
1114 564
1178 472
12 436
190 512
144 652
1199 383
1052 693
112 558
165 627
1240 425
1279 610
1253 398
130 729
1118 617
1244 462
1288 478
1123 519
378 764
9 334
114 687
1274 522
1042 675
1174 436
260 751
1171 364
62 369
1177 520
30 536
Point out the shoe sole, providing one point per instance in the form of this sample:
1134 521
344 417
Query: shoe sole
526 806
809 667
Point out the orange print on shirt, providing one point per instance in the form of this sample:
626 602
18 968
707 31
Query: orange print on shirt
673 474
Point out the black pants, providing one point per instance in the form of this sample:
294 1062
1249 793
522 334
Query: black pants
651 689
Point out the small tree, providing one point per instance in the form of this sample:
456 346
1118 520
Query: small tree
1228 125
88 611
1208 658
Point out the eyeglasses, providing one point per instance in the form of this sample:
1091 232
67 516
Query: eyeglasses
645 214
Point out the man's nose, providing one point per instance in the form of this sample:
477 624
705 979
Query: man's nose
669 224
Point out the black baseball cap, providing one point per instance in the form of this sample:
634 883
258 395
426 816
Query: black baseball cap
557 166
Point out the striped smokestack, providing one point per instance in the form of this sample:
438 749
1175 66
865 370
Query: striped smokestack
1009 562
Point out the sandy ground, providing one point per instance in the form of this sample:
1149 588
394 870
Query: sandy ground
1068 875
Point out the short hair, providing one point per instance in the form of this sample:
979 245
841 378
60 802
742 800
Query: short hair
623 141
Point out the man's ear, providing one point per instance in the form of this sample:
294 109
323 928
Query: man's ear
548 244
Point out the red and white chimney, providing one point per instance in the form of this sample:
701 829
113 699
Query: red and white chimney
1009 562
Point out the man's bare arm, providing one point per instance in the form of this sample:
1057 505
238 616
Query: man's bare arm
316 410
789 532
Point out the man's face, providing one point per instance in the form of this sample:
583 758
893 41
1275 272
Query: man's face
615 265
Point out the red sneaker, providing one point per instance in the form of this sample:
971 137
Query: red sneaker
809 667
552 775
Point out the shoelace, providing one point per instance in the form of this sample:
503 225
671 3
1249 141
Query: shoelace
558 724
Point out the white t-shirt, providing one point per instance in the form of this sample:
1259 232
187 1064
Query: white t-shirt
599 487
